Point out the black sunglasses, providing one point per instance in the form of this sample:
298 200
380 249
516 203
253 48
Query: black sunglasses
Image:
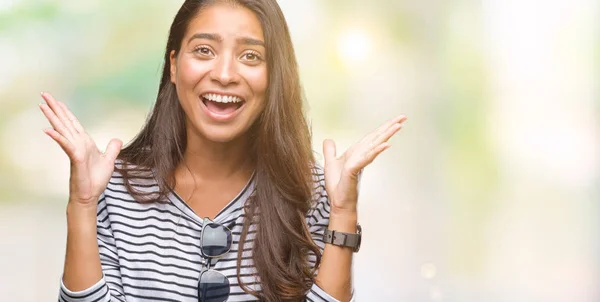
215 241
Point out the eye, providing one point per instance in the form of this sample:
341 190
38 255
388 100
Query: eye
251 56
203 50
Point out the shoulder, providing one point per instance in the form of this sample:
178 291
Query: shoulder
318 175
126 196
317 216
320 199
128 180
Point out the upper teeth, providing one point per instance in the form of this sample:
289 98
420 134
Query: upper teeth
222 98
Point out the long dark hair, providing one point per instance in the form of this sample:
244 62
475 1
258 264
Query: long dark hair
282 150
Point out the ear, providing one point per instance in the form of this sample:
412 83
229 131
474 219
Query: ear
173 65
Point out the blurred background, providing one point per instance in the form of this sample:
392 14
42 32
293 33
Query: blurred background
490 193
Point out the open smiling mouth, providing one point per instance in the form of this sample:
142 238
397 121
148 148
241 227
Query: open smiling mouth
222 105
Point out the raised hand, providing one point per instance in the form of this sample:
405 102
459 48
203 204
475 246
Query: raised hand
90 169
342 172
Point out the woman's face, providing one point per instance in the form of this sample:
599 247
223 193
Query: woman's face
221 72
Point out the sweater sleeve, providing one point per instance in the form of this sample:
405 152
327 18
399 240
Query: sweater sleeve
109 287
317 220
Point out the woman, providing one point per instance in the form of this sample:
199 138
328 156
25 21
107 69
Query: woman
218 198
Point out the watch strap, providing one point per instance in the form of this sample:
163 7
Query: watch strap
351 240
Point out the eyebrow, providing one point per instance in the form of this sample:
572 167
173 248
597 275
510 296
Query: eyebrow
218 38
250 41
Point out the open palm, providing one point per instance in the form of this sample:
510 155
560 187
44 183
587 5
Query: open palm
90 168
342 172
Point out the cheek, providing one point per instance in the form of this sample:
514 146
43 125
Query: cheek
191 71
258 79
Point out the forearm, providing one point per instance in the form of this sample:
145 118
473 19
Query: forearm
82 261
335 271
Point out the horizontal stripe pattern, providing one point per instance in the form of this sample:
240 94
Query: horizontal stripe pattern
151 251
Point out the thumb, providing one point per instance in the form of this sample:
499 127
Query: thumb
329 150
113 149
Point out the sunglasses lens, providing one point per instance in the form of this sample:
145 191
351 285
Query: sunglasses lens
213 287
216 240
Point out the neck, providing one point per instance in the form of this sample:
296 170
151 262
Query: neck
215 161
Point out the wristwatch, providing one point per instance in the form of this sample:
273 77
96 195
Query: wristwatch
350 240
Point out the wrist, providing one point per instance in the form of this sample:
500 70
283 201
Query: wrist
81 214
343 221
82 207
348 212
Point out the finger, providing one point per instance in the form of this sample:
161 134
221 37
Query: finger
329 150
371 155
396 120
64 143
71 117
387 134
113 149
56 108
56 123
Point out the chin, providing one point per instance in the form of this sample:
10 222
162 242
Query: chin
221 134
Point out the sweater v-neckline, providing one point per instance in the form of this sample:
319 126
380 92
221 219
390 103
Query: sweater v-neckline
231 206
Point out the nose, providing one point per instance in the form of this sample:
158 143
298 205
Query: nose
224 70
